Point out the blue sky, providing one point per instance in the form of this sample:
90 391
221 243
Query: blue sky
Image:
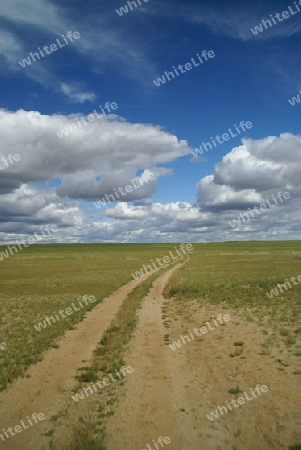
154 129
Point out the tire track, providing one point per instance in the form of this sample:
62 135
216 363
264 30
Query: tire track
151 407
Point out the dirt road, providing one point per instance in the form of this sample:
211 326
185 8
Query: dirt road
154 392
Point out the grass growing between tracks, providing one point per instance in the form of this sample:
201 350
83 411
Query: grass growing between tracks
108 357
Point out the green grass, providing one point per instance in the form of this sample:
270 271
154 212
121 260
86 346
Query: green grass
235 391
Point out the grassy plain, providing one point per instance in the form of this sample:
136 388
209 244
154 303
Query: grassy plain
42 279
233 276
